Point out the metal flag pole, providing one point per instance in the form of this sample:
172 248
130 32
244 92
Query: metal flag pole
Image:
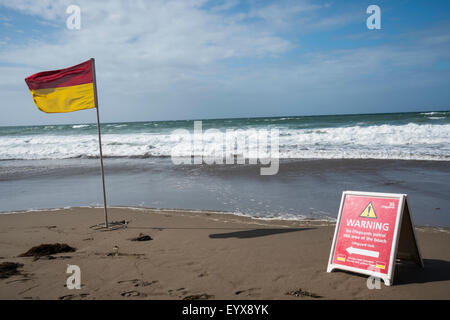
99 140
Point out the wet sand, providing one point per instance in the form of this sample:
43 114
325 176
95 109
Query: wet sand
199 255
301 189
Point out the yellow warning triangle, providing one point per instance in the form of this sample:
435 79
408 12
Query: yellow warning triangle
369 212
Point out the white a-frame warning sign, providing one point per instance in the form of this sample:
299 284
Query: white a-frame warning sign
372 231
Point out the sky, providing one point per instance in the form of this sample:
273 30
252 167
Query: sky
200 59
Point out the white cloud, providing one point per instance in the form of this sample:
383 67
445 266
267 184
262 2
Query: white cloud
156 43
46 9
305 15
185 61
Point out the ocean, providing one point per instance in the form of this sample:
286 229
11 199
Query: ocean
408 136
56 166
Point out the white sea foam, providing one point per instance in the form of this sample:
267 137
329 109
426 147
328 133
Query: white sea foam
408 141
433 113
117 125
256 219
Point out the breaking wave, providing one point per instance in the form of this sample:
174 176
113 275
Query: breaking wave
410 141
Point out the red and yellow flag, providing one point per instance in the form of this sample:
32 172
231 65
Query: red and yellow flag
64 90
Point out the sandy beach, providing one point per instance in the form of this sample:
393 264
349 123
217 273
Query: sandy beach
199 255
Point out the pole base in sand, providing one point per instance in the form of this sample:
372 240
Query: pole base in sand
114 225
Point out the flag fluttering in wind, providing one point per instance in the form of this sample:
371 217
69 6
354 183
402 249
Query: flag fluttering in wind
67 90
64 90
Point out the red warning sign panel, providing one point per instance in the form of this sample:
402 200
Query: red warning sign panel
366 233
372 231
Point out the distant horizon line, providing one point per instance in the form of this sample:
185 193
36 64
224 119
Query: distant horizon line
231 118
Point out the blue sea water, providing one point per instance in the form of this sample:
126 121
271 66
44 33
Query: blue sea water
56 166
409 136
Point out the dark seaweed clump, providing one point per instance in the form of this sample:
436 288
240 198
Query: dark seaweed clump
47 249
8 269
142 237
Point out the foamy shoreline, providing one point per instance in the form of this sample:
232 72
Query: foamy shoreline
302 189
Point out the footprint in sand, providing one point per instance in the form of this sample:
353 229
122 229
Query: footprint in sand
74 296
248 292
147 283
138 282
300 293
203 296
133 281
177 292
132 293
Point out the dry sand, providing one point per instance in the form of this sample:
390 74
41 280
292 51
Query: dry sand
216 256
